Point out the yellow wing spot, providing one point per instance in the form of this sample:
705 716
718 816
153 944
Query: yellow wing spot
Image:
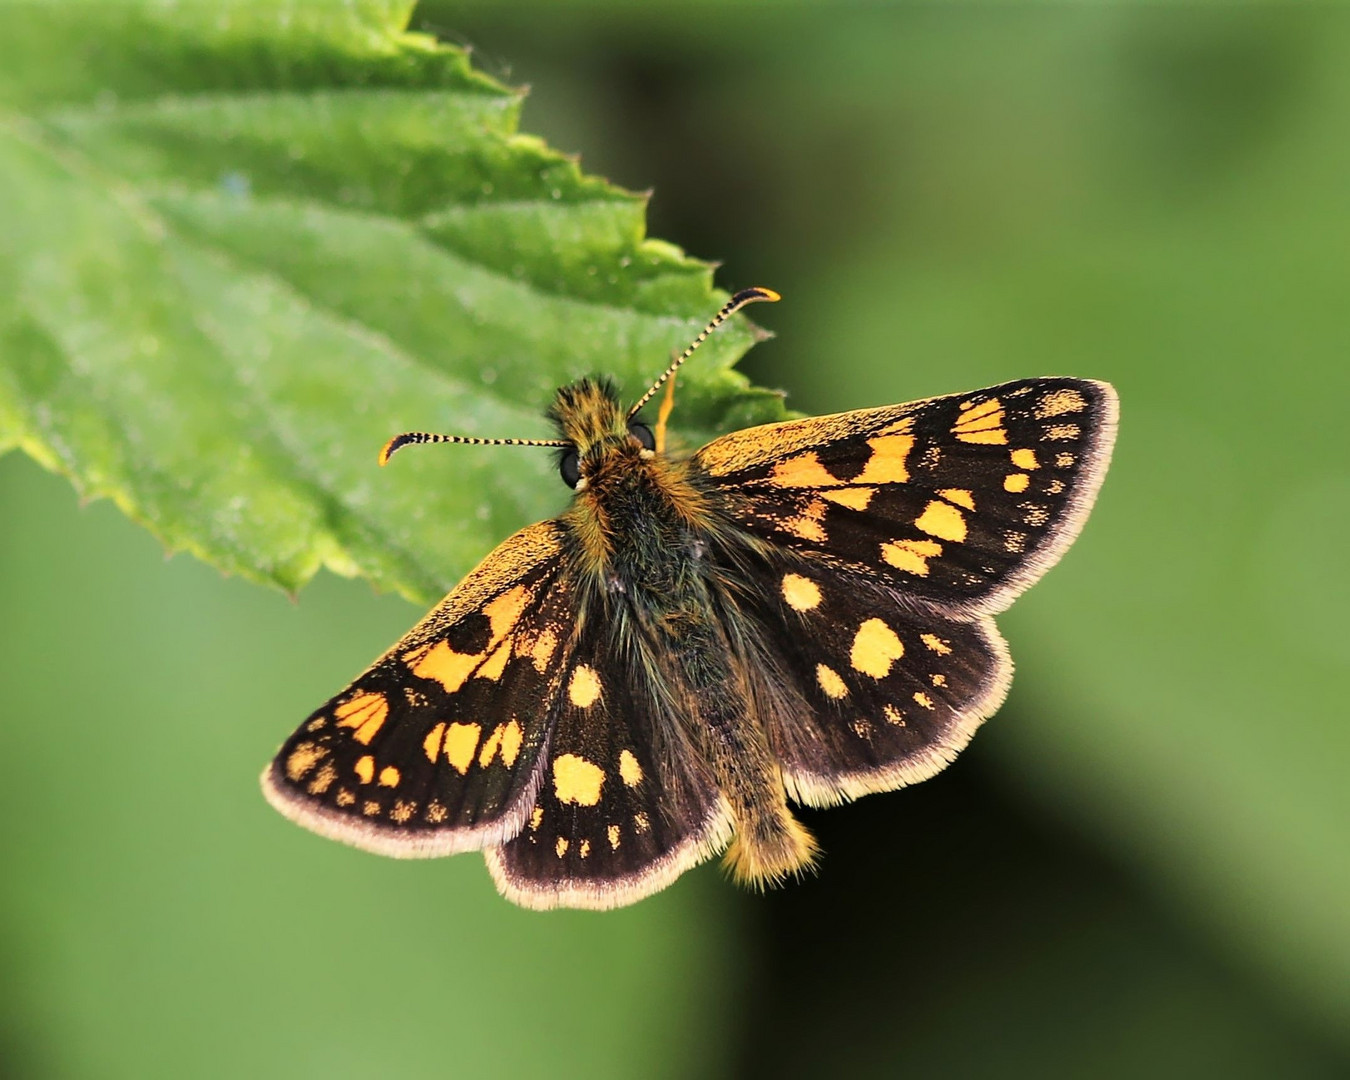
323 779
960 496
461 740
807 524
414 698
511 740
495 664
613 833
1055 487
1059 402
490 746
317 723
875 649
576 780
538 648
855 498
436 813
504 611
443 664
801 593
583 690
641 823
389 776
942 520
935 644
561 846
911 555
887 463
536 817
370 808
431 745
585 848
365 769
981 422
861 728
939 680
303 758
629 769
1025 459
924 700
345 797
830 682
1015 542
1063 461
1035 515
803 470
900 427
366 712
1016 482
1060 432
403 810
893 716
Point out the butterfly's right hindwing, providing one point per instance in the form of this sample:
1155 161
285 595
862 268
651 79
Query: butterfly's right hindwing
435 748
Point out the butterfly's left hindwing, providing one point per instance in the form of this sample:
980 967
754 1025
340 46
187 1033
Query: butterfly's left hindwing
962 501
435 748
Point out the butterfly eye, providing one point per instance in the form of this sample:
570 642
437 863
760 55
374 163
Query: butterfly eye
643 434
570 467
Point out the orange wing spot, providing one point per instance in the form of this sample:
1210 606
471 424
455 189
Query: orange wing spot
1062 431
942 520
365 769
807 524
443 664
505 610
366 712
803 470
303 758
431 745
370 808
461 740
402 811
981 423
576 780
561 846
924 700
935 644
911 555
538 647
323 779
830 682
436 812
900 427
887 463
629 769
536 817
1058 402
893 716
801 593
345 797
490 746
613 833
585 848
390 776
875 649
853 498
1016 482
641 823
1063 461
1025 459
495 664
511 740
960 496
583 690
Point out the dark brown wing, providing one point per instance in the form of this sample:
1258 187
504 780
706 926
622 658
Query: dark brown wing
436 747
962 501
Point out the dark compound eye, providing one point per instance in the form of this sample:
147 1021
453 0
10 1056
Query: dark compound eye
570 467
643 434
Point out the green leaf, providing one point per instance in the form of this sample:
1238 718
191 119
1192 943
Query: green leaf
247 242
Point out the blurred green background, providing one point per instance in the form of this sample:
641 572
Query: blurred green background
1140 868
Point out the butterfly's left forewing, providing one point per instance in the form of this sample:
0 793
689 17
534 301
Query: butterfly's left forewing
436 747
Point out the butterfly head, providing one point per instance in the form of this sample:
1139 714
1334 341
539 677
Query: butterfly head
596 429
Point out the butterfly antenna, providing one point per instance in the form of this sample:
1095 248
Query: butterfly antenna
740 300
407 437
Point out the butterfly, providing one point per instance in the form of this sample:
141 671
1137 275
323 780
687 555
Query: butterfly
797 613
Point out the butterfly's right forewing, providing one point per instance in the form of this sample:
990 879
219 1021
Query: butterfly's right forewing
436 747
